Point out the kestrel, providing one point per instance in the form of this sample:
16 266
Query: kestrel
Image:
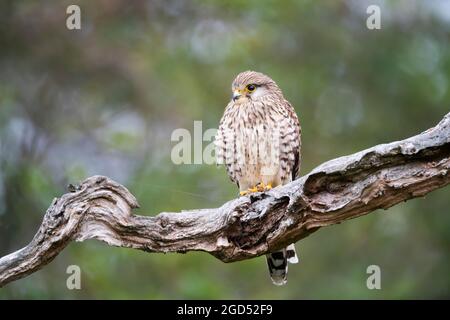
258 141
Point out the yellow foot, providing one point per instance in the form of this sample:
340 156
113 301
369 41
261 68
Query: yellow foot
261 187
248 191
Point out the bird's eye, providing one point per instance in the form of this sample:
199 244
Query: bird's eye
251 87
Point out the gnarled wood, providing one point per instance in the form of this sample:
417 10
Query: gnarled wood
337 190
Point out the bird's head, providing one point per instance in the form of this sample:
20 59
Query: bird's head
252 85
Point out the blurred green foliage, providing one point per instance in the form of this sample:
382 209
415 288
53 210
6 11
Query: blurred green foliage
105 100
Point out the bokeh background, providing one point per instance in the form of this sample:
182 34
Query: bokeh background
105 100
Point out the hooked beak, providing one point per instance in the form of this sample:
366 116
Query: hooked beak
236 94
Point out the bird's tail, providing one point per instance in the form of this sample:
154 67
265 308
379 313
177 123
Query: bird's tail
278 264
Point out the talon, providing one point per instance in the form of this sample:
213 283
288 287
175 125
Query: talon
268 187
260 187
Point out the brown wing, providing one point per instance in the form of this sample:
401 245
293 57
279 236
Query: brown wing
296 169
224 140
294 141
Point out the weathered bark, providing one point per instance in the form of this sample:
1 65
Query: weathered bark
340 189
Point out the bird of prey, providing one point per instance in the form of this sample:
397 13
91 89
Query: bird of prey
258 141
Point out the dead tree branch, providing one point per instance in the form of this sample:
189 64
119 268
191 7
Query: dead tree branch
337 190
